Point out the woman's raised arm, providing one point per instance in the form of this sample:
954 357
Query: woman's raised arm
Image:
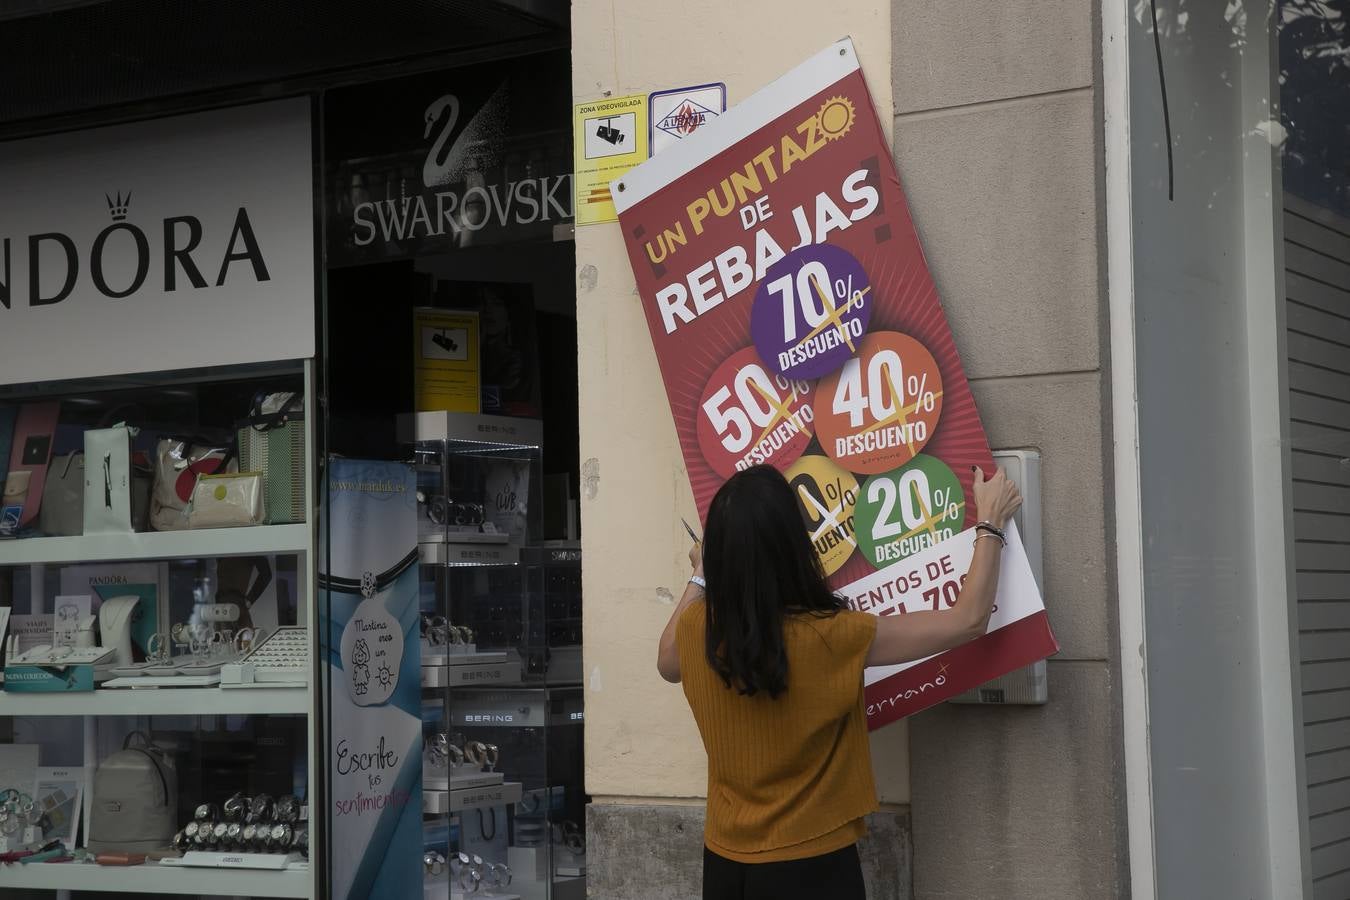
902 638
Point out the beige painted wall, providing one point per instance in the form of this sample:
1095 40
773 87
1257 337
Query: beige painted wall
640 738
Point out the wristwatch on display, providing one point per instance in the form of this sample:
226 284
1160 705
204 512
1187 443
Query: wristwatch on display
235 807
287 809
498 875
279 840
260 808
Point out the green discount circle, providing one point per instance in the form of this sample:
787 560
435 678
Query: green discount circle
908 509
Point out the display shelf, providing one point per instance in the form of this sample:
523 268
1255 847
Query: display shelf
484 432
206 542
506 672
436 803
443 553
160 702
156 879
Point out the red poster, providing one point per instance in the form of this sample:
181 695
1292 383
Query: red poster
796 324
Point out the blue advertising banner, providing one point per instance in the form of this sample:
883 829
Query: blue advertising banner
369 615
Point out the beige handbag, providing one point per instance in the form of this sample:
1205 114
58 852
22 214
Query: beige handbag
227 501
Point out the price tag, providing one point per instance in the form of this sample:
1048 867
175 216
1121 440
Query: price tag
826 495
748 416
908 509
883 406
811 311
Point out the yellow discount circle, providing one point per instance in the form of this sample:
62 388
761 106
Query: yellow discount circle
826 495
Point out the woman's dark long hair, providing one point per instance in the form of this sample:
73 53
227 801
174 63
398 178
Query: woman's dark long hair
760 567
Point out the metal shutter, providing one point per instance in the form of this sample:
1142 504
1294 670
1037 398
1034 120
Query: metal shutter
1317 283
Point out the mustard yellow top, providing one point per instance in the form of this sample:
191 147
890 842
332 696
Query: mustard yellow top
792 777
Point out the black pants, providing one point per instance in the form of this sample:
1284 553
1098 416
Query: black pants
833 876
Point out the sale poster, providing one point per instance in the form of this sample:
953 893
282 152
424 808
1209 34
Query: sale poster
796 325
372 662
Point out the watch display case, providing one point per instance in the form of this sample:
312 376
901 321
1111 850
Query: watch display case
503 776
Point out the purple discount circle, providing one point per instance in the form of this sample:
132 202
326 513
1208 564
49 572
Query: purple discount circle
811 311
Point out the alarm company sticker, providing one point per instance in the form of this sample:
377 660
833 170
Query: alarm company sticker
679 112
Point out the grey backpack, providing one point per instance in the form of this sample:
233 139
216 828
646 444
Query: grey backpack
135 799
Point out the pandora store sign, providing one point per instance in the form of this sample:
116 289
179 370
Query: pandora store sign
169 244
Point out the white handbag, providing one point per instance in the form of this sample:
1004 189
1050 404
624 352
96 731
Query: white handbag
227 501
107 480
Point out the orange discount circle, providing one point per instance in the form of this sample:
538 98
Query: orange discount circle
749 416
882 407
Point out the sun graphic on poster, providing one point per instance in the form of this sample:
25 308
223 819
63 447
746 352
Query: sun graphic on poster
386 676
836 117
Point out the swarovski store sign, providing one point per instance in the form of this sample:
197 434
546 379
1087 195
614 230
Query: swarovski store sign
174 243
443 161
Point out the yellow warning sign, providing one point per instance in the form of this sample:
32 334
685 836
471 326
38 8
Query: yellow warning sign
610 137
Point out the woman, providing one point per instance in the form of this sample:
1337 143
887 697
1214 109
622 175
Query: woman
772 666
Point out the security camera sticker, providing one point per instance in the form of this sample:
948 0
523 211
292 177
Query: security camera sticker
439 342
610 135
372 652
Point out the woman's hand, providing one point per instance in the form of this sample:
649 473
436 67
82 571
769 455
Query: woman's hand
996 499
667 651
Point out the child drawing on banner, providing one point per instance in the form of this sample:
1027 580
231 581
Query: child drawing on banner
361 671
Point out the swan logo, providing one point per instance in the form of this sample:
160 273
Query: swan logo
118 262
456 201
